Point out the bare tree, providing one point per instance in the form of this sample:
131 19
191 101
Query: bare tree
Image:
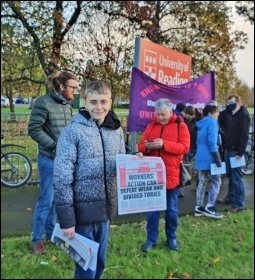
43 26
245 9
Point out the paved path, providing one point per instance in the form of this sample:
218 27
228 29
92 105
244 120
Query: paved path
17 206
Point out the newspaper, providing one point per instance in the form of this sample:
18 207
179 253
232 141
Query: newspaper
141 184
215 170
81 249
234 162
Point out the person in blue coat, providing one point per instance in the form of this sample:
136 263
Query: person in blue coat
207 153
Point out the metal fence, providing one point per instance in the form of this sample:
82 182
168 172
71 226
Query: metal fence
14 127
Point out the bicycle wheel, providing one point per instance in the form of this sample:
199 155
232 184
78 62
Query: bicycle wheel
16 169
249 167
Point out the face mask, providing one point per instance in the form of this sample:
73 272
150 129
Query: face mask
231 107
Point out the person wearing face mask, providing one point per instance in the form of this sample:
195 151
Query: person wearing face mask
50 114
234 122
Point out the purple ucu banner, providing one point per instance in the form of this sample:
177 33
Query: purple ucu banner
145 91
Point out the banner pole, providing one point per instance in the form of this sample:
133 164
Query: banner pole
133 142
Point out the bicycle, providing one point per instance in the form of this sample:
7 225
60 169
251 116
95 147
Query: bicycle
249 159
16 168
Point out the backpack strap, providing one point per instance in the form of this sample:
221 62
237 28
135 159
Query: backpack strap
178 121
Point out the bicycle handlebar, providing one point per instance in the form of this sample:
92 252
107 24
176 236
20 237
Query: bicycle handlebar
11 145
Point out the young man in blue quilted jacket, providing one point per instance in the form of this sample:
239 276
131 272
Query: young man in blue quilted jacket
85 173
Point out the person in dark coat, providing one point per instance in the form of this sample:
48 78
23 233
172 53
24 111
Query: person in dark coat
179 108
235 123
50 114
189 116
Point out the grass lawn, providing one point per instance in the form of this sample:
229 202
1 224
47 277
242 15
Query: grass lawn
25 110
209 249
116 110
16 110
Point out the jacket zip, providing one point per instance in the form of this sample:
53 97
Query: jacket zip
104 158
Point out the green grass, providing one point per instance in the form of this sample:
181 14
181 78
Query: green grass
22 110
209 249
251 110
116 110
17 110
25 110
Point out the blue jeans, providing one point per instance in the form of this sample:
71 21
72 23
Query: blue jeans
44 215
98 232
171 218
236 189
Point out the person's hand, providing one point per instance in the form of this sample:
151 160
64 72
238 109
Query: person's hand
217 159
219 164
155 144
139 154
68 232
148 144
238 157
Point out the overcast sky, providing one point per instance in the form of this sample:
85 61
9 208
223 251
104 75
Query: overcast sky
245 58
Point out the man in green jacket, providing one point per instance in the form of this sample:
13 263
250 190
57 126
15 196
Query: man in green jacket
50 114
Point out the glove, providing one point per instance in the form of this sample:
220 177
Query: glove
216 158
53 151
